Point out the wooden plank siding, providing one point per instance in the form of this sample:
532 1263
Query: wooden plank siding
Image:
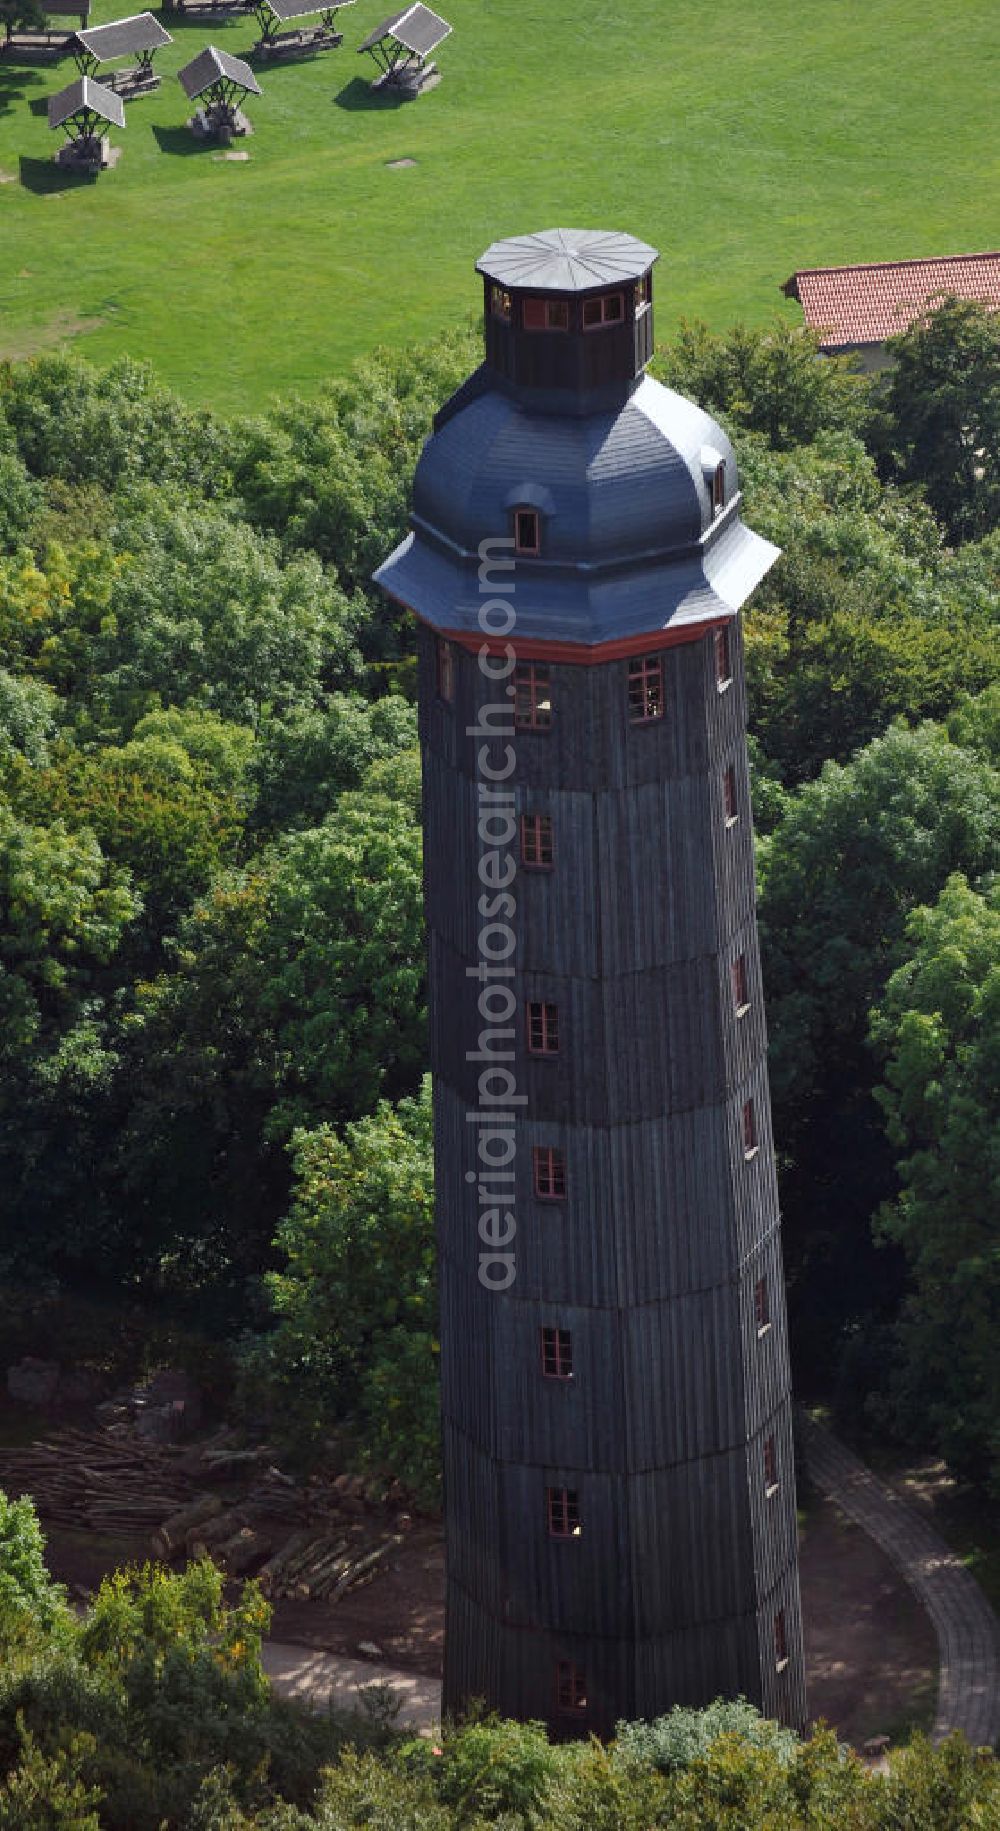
652 1258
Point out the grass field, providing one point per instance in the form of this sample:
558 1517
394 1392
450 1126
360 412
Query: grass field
744 139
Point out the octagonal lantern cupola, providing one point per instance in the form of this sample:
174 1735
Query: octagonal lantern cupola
569 313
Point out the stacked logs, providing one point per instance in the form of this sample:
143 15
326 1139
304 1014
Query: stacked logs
321 1568
89 1479
115 1484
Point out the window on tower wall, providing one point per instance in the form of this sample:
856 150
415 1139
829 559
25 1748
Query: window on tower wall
500 303
608 309
730 804
723 662
526 531
557 1354
770 1467
643 293
563 1509
741 996
780 1640
532 696
543 1027
762 1306
645 689
445 670
537 842
545 314
548 1167
571 1688
750 1145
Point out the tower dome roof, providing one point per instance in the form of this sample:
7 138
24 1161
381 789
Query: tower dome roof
610 489
631 491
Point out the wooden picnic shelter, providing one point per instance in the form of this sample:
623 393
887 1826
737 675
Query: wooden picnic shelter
401 45
297 36
139 37
220 82
83 109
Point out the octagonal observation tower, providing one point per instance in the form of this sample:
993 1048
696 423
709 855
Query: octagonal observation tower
619 1481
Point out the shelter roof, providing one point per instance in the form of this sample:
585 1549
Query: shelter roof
867 304
417 28
85 93
140 32
212 65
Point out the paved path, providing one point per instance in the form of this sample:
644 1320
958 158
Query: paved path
967 1630
319 1678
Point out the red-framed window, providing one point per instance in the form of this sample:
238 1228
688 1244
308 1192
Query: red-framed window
643 293
500 303
761 1305
548 1171
537 842
542 1027
571 1688
723 659
608 308
527 535
749 1129
780 1639
770 1465
730 803
545 314
445 660
719 486
557 1354
532 696
645 689
562 1508
741 994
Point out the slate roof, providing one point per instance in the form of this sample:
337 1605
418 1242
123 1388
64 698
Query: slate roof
630 541
417 28
85 93
209 66
567 260
124 37
867 304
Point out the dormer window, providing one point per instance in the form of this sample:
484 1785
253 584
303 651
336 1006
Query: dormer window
719 487
527 535
545 314
608 309
500 303
643 293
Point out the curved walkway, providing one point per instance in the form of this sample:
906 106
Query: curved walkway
967 1630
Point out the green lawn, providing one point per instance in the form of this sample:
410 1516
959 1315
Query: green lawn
744 139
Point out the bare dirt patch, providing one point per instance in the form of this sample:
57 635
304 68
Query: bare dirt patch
871 1653
16 346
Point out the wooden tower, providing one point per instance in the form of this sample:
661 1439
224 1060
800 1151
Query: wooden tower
620 1502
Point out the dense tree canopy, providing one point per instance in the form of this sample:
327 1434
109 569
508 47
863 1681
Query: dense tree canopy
937 1028
210 912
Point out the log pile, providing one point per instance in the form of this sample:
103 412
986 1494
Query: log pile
305 1542
322 1567
89 1479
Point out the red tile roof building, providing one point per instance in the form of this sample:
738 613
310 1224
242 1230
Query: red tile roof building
855 306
